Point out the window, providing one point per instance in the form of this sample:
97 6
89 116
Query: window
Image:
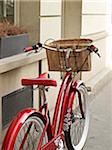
7 10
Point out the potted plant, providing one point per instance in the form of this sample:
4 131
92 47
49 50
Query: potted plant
13 39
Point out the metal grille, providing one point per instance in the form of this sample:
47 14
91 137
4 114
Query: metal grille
14 102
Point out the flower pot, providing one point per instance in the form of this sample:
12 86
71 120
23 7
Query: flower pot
12 45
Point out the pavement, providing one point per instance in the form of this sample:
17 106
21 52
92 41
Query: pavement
100 131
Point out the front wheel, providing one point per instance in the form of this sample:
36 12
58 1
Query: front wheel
76 135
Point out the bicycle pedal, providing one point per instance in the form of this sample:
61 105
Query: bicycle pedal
88 88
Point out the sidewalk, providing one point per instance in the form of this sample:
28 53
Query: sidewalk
100 132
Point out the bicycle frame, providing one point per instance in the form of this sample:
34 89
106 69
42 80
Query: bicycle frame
64 104
64 101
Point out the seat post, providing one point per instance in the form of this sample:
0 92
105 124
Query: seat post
42 90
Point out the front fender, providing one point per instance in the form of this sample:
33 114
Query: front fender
79 82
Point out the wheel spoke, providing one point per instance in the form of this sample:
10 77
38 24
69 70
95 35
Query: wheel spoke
29 135
77 134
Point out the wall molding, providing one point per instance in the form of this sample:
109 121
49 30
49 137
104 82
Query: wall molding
96 36
94 14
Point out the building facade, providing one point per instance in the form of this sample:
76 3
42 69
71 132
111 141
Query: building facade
46 19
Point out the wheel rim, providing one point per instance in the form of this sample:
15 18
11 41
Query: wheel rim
31 140
79 127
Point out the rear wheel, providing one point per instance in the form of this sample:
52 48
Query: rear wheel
76 135
34 126
29 134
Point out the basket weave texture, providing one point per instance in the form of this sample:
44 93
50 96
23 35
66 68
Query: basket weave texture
79 61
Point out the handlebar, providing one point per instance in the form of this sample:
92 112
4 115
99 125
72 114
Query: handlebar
94 49
36 48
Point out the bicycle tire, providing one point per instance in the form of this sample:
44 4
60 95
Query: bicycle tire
76 136
34 126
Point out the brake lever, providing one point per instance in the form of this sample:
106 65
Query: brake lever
92 48
98 55
96 51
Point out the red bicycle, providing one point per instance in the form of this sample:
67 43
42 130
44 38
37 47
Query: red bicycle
32 129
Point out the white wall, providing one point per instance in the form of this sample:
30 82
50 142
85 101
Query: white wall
109 30
94 26
50 27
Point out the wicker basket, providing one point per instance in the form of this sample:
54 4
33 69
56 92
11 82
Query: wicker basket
79 61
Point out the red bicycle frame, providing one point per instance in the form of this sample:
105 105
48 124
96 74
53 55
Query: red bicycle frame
63 104
62 114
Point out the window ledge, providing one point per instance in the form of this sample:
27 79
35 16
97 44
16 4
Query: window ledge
16 61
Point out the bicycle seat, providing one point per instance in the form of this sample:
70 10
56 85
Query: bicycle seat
41 80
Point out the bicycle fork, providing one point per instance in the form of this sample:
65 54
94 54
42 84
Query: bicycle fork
57 143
